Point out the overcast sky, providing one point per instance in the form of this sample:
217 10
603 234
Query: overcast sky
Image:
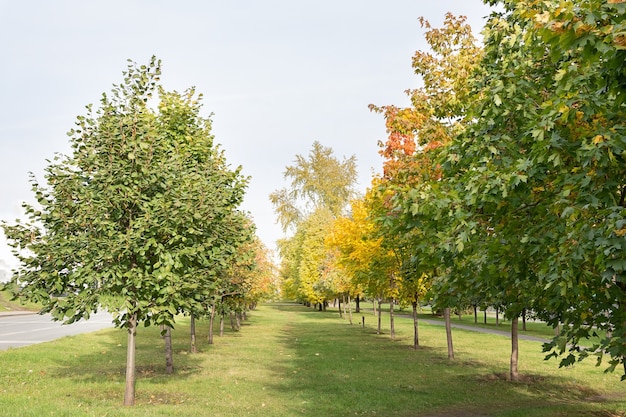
278 75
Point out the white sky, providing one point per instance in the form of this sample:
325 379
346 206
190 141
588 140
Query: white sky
277 74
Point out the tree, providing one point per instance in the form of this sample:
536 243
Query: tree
541 172
352 242
387 261
229 250
134 214
417 135
319 181
321 188
205 225
263 277
370 265
351 245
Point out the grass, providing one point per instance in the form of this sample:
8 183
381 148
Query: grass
7 305
533 328
289 360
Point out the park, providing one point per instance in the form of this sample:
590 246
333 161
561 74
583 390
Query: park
502 191
289 360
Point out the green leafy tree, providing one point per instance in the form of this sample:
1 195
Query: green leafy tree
541 171
135 213
313 285
416 199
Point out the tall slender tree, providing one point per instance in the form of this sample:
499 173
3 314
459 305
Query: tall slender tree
321 187
417 135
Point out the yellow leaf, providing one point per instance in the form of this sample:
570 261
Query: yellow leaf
543 17
598 139
620 232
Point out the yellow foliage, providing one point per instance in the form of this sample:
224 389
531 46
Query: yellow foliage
598 139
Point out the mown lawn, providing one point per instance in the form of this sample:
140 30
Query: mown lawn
7 305
289 360
533 328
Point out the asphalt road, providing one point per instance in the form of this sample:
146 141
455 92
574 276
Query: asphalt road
27 329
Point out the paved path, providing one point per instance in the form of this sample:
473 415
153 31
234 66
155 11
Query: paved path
485 330
473 328
26 328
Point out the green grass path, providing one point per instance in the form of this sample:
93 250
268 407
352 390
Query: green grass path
289 360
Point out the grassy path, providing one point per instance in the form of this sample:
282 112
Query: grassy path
292 361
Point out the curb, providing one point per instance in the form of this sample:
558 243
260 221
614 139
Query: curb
16 313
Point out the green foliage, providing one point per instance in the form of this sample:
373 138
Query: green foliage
143 211
505 178
9 302
538 179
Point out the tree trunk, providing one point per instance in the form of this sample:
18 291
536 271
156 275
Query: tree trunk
221 325
475 314
446 315
129 393
391 321
349 309
169 359
524 319
232 321
380 301
485 312
514 349
211 321
341 315
497 317
358 304
238 321
193 348
416 341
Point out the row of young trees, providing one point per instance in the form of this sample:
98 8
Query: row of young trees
504 181
141 219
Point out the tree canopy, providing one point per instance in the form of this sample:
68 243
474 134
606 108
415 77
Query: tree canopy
141 217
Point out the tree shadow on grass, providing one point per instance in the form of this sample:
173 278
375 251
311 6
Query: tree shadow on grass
338 369
105 359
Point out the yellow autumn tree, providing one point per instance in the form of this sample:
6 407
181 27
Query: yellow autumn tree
361 256
321 186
